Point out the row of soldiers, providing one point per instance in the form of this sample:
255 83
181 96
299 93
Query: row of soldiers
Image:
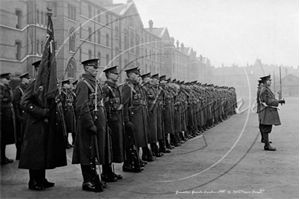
111 123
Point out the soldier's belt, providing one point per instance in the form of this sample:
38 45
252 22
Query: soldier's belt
139 102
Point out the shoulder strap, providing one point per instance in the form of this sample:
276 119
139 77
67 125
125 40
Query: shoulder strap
89 86
21 90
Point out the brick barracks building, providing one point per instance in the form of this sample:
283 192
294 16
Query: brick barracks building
85 29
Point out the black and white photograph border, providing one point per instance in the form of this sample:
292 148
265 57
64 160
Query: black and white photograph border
234 43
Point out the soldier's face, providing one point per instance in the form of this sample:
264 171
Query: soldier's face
92 70
269 82
114 76
5 81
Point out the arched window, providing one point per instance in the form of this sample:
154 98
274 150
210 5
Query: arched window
116 32
71 68
72 37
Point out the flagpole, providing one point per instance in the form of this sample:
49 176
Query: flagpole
280 84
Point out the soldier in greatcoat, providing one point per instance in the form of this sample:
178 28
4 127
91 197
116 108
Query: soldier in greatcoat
135 115
19 112
113 104
260 85
91 138
43 140
7 116
269 111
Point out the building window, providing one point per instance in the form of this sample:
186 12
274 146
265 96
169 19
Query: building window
126 42
37 46
125 63
90 34
116 32
71 68
117 53
107 40
137 47
19 19
99 36
131 43
37 16
72 12
18 50
99 16
80 31
42 17
107 59
90 11
54 9
80 55
90 54
42 46
107 19
72 37
99 57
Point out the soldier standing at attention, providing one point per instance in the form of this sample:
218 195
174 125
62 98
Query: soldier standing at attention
68 97
7 116
43 140
114 107
91 131
19 112
259 106
135 119
268 114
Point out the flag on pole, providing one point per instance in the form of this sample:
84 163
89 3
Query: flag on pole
46 82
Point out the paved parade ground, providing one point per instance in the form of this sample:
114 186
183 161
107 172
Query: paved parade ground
226 161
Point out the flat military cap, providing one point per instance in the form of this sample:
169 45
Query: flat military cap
260 81
66 81
162 78
145 75
182 82
36 64
113 69
174 81
155 76
5 75
90 62
265 78
169 79
134 69
25 75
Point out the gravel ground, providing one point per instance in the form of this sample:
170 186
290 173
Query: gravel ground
227 161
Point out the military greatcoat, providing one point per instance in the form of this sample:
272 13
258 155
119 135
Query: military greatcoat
114 107
268 112
7 115
135 111
85 106
43 144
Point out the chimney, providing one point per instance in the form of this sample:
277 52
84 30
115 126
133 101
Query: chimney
177 44
150 25
172 40
182 47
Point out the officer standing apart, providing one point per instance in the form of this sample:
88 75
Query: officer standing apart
19 112
7 116
114 107
43 140
91 138
269 111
